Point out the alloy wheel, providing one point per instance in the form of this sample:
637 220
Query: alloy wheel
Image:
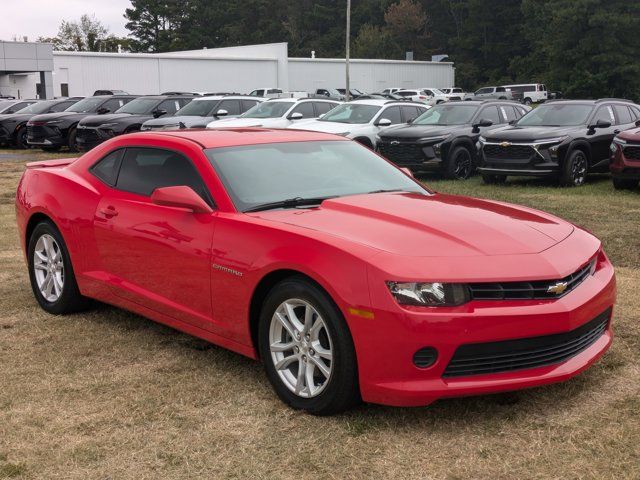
462 164
48 267
301 348
579 169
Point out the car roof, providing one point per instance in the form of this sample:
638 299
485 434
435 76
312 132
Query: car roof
234 137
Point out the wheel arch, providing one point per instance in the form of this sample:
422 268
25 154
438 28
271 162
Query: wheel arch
581 145
34 220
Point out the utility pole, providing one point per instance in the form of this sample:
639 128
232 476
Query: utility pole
347 93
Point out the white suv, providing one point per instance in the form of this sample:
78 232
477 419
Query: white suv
453 93
529 93
278 113
430 96
361 120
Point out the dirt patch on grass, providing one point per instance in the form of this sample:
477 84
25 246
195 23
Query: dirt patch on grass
108 394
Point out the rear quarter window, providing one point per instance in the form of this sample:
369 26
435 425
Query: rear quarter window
107 168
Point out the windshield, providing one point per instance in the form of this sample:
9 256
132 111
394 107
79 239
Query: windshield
436 91
86 106
556 115
139 106
198 108
268 110
4 104
39 107
351 113
258 174
447 115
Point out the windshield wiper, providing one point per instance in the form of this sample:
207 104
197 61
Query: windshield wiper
289 203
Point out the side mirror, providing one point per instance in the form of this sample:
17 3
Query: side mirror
180 197
102 111
383 122
599 124
481 123
221 113
159 113
410 121
512 122
407 171
295 116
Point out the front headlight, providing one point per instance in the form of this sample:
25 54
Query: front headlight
619 141
53 122
108 125
429 294
545 141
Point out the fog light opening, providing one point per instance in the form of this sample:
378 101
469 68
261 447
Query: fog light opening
425 357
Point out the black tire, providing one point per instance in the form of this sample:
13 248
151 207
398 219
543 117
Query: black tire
341 392
502 98
575 169
493 179
70 299
71 140
21 139
459 164
527 101
624 183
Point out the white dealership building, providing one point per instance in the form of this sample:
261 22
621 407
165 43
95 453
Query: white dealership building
231 69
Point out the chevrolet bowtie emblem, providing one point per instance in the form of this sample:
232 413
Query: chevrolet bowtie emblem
505 144
558 288
395 142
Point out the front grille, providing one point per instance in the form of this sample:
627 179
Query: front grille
510 152
402 153
542 289
88 135
36 132
525 353
632 152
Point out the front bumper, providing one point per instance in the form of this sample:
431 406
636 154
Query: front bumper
45 136
385 349
90 137
625 161
411 154
527 159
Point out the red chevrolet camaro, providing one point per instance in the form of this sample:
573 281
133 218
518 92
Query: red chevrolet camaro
346 277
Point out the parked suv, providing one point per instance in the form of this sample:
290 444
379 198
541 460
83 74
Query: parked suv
13 127
488 93
13 106
444 137
528 93
52 131
562 138
362 120
331 93
625 158
278 113
203 110
265 92
95 129
429 96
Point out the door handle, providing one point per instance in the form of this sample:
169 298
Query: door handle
109 212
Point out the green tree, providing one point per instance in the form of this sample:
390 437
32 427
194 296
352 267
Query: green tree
86 35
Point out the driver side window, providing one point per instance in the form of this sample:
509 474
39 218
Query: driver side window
306 109
393 114
490 113
604 113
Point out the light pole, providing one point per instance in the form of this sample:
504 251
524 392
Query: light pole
347 93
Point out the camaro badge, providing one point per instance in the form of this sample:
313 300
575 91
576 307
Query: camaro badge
505 144
227 270
558 288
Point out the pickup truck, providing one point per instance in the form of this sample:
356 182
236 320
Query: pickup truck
490 93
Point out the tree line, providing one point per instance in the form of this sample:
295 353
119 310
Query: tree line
583 48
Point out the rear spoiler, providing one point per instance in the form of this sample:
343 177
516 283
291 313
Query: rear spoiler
62 162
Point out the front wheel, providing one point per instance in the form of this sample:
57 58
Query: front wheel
51 273
72 143
574 170
307 350
459 164
21 139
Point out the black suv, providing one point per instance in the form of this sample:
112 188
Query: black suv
566 139
13 127
52 131
96 129
444 137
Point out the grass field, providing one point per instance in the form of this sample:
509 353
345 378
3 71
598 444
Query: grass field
110 395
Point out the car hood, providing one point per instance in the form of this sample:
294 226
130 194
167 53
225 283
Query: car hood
421 131
15 117
97 120
70 117
329 127
632 134
430 225
528 134
187 120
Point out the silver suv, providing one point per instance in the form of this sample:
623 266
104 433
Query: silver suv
490 93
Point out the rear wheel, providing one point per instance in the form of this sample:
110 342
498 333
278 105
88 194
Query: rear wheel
574 170
459 164
493 179
307 349
527 101
51 273
624 183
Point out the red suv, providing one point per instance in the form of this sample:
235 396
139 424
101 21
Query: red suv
625 159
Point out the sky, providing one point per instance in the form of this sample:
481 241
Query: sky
41 18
